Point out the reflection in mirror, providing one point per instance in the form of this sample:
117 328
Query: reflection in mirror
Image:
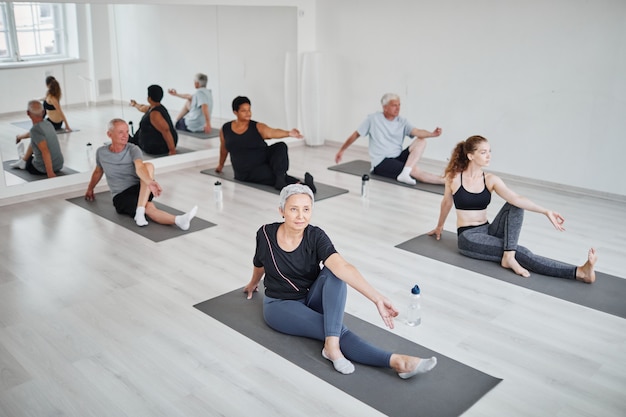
124 48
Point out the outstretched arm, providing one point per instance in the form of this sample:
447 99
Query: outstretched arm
351 276
423 134
446 205
175 93
345 146
141 107
522 202
253 285
271 133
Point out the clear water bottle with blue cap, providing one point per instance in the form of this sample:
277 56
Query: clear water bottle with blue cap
414 312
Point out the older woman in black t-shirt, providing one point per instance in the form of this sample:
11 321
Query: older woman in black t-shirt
303 300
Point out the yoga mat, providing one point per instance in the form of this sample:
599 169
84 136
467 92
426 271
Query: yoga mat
103 206
607 294
27 176
360 167
323 190
448 390
215 133
27 124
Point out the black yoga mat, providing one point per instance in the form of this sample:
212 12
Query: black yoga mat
215 133
103 207
27 124
607 294
360 167
323 190
27 176
448 390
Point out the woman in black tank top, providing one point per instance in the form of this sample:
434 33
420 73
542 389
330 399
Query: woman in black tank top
157 134
497 241
253 160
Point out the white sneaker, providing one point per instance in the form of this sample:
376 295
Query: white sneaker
20 164
20 150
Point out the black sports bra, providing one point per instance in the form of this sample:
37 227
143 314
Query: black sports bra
48 106
464 200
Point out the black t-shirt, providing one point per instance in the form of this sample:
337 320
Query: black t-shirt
289 275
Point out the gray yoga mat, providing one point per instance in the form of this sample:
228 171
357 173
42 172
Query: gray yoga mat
27 124
103 207
323 190
360 167
448 390
215 133
27 176
607 294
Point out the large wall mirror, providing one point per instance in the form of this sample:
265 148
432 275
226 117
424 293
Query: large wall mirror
123 48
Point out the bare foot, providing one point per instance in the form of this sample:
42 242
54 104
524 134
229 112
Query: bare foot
509 262
586 273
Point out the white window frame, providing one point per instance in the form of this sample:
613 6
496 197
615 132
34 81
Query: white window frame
11 33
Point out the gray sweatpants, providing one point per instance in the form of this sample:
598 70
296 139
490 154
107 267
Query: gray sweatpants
489 241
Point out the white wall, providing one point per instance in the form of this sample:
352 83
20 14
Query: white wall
545 82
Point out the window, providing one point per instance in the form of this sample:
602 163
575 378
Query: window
32 32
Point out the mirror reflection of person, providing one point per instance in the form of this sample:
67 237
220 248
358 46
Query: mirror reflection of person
303 300
43 155
156 134
131 180
469 189
195 116
52 108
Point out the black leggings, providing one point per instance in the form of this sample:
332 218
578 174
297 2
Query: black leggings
273 172
489 241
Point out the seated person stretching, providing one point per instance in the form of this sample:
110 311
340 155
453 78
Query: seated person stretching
302 300
43 156
195 116
469 188
131 180
253 160
156 134
386 131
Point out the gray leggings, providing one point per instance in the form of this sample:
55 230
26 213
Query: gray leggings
319 315
489 241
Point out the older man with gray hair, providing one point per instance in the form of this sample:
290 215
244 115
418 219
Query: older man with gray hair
386 131
43 156
195 116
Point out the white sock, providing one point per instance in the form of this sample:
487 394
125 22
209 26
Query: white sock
20 150
184 220
19 164
140 216
405 176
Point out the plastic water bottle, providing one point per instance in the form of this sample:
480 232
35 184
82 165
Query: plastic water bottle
132 128
90 155
217 191
365 179
414 312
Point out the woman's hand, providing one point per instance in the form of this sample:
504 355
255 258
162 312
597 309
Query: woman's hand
556 219
386 311
250 289
436 232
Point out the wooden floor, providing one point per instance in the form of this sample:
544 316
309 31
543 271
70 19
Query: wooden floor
96 320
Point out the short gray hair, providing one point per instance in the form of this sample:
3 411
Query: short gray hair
112 122
202 79
388 97
36 108
292 189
